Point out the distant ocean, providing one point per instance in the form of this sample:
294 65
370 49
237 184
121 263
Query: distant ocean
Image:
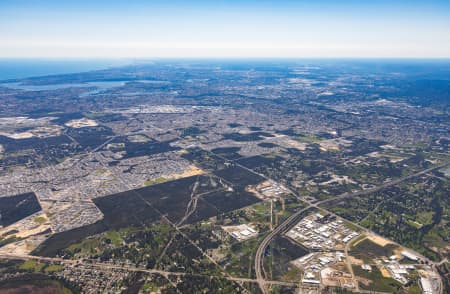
23 68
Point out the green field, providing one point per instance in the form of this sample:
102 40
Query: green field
379 283
155 181
368 250
32 265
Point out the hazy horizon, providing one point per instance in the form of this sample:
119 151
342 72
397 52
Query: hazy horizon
18 68
224 29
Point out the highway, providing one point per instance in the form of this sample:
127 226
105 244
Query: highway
292 220
259 256
385 185
348 261
110 266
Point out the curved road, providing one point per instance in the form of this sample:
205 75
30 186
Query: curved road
263 245
289 221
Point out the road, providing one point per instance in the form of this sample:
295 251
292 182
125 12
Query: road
175 226
132 190
259 257
292 220
385 185
287 224
110 266
192 204
348 261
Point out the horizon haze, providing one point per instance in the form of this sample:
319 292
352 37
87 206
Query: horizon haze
294 29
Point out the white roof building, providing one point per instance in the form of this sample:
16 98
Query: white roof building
409 255
426 286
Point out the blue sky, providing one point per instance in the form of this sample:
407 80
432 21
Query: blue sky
224 28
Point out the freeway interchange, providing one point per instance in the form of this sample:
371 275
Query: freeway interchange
289 222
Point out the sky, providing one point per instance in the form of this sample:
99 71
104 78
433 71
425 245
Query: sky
217 28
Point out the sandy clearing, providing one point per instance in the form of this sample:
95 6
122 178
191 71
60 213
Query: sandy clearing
191 171
379 240
81 123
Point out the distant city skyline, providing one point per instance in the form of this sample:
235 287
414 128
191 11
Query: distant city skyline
293 29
